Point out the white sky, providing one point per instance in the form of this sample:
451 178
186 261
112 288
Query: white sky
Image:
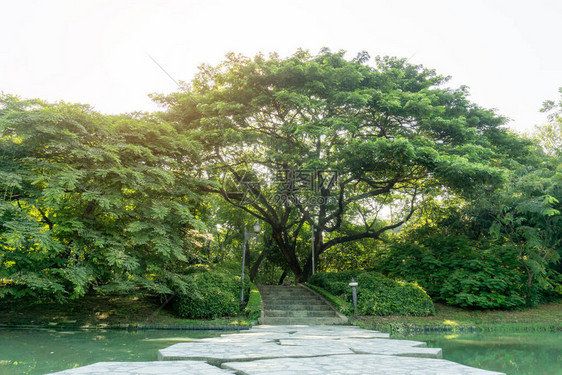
95 52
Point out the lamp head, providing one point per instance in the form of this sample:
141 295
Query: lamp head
257 227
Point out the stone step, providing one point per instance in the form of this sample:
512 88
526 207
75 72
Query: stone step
295 306
287 293
299 313
281 291
288 302
289 296
298 303
304 321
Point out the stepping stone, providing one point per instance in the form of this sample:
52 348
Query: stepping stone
321 331
217 353
338 332
248 336
373 346
356 364
146 368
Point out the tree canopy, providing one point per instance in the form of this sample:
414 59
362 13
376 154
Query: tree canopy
313 141
92 201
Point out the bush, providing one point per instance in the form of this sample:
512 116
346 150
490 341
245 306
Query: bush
459 271
215 293
376 294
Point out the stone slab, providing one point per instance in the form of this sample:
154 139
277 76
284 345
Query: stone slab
222 352
146 368
371 346
305 331
263 342
356 364
265 336
317 334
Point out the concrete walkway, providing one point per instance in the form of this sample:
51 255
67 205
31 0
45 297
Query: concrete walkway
284 350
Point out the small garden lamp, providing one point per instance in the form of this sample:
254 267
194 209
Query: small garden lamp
247 236
353 284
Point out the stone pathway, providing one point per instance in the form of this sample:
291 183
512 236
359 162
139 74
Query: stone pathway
147 368
284 350
355 364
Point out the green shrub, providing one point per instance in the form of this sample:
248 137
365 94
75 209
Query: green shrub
215 293
253 308
376 294
459 271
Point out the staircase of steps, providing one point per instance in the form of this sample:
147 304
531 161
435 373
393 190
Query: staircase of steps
296 305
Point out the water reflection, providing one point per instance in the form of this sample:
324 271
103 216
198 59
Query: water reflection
42 351
514 353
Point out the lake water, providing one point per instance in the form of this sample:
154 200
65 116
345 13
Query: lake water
43 351
514 353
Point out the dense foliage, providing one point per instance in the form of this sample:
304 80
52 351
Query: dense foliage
502 251
214 292
495 250
528 218
458 271
92 201
376 294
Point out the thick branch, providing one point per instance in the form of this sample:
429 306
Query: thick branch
368 233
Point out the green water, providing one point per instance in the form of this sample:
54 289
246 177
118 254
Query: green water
514 353
43 351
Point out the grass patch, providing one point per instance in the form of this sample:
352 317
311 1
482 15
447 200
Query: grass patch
253 308
547 316
342 306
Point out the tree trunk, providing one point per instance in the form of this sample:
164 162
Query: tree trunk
283 276
256 265
288 252
529 279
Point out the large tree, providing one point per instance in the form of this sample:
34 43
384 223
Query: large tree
92 201
276 132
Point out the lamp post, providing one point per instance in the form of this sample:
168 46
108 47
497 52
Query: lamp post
312 240
247 236
353 284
